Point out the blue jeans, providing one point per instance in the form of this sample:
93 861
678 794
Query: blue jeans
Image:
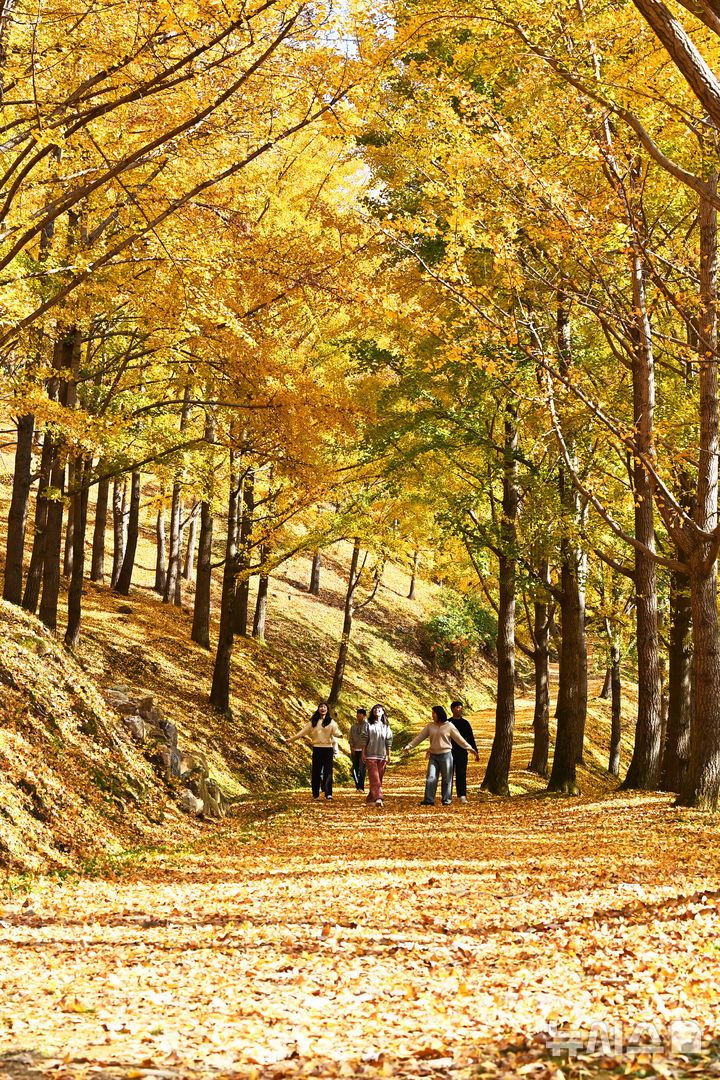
439 765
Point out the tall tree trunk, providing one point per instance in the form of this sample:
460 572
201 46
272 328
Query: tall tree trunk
261 602
413 575
177 601
189 563
242 598
220 692
173 571
615 732
701 786
160 552
80 500
676 750
17 516
128 563
51 562
541 719
348 613
645 762
201 610
605 692
97 566
314 587
118 530
42 509
498 767
70 525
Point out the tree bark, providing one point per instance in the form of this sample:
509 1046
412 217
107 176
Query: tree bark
614 763
128 563
173 570
70 525
348 613
541 719
498 766
201 611
645 762
701 787
606 686
17 516
189 563
118 530
42 509
261 602
53 544
220 691
314 587
80 501
413 575
97 566
160 552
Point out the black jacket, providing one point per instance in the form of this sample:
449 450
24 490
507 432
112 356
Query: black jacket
466 731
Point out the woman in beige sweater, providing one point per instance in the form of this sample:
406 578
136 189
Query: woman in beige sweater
322 730
441 734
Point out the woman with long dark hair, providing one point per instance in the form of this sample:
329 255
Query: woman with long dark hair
376 739
322 730
441 735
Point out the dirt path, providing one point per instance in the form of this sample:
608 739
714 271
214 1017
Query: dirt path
343 940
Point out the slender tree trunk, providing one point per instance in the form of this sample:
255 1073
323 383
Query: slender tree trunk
261 602
118 530
160 552
189 564
348 613
541 719
413 575
701 786
128 563
314 587
242 598
70 526
201 610
498 767
220 692
614 764
643 771
173 571
17 517
80 501
676 750
582 664
605 692
51 563
178 579
97 566
42 509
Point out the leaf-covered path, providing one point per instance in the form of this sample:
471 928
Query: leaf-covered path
338 939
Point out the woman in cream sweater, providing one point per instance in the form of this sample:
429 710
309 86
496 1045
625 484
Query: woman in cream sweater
441 734
322 730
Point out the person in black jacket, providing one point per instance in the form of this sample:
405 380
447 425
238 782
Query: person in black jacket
460 756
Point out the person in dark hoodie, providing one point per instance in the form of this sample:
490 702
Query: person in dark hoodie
460 755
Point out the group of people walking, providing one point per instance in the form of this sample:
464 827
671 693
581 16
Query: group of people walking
370 739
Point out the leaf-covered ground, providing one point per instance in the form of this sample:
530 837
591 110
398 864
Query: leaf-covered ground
337 939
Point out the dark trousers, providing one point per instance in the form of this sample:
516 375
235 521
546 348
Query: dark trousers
358 770
322 770
460 760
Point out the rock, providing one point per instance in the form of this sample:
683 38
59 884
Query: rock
209 793
155 734
193 764
136 726
190 802
170 732
143 701
125 707
119 688
165 761
153 713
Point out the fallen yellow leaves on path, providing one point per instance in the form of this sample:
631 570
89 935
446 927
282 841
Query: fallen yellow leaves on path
344 940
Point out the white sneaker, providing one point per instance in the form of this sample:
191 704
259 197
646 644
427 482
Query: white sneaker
463 799
378 802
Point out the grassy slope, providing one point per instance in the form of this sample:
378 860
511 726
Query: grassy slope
274 685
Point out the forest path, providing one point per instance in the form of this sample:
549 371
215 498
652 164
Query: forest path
341 939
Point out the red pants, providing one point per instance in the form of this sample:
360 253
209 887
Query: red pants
375 773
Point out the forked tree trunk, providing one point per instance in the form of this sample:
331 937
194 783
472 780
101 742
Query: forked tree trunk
97 566
80 503
128 563
118 530
643 771
701 787
498 766
220 691
348 613
615 731
17 516
314 587
676 751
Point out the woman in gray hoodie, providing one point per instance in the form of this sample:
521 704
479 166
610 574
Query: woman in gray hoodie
376 739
